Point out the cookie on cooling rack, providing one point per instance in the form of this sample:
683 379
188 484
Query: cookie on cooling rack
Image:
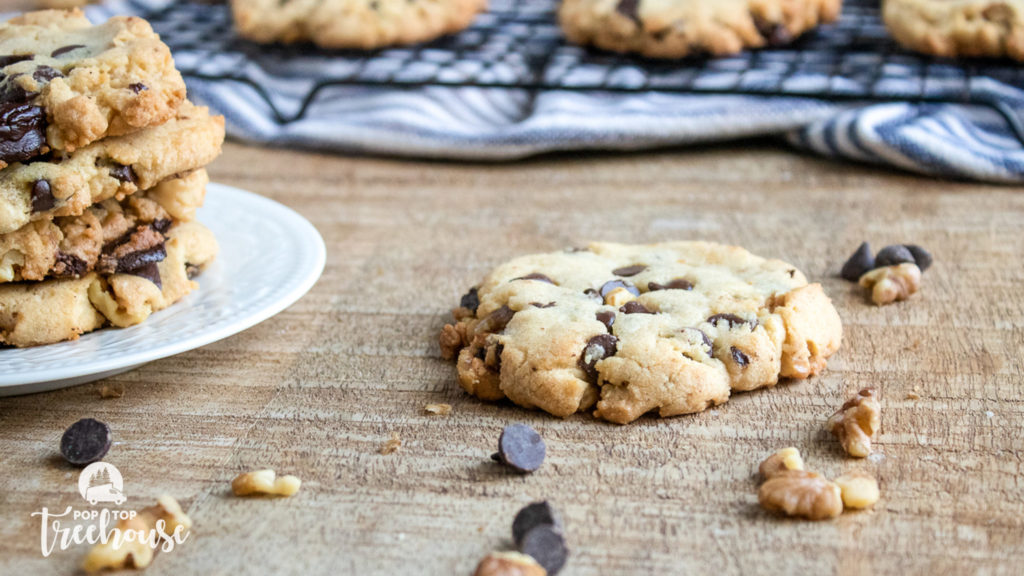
678 28
954 28
363 24
626 330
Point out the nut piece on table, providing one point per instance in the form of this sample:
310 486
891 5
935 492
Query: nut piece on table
858 489
392 445
438 409
509 564
785 459
264 482
856 423
115 555
892 283
801 493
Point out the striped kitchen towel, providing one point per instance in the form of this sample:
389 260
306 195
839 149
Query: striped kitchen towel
275 101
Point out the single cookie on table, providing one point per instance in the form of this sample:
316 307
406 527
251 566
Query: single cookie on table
71 246
678 28
65 83
363 24
111 168
626 330
140 281
951 28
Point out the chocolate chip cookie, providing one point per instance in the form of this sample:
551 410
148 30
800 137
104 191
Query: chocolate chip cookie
145 273
66 185
677 28
626 330
361 24
65 83
952 28
71 246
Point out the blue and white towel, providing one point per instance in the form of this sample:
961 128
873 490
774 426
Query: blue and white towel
270 101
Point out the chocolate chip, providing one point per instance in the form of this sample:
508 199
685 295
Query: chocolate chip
9 59
732 319
677 284
470 300
137 87
739 357
613 284
22 132
893 255
532 516
191 270
594 295
858 263
495 321
161 225
69 266
922 257
46 73
774 33
606 317
628 271
85 442
521 448
629 9
150 272
546 545
634 307
42 197
598 348
11 91
65 49
539 305
131 262
124 174
535 276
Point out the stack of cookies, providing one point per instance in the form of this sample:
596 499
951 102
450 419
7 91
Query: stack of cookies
101 173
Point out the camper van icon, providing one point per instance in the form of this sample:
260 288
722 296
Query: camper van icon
101 482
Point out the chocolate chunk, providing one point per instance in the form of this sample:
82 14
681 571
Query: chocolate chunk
69 266
628 271
634 307
677 284
598 348
606 317
594 295
161 225
532 516
46 73
191 270
129 263
12 92
535 276
137 87
9 59
149 271
893 255
732 319
539 305
613 284
739 357
85 442
470 300
521 448
65 49
42 197
629 9
124 174
922 257
859 262
495 321
774 33
546 545
22 132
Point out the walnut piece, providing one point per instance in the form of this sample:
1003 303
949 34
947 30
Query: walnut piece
117 554
438 409
265 482
801 493
892 283
618 297
856 423
858 489
785 459
509 564
392 445
452 339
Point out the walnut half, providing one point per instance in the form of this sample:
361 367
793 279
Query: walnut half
856 423
800 493
892 283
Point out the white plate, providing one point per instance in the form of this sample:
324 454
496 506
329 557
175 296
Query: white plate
270 256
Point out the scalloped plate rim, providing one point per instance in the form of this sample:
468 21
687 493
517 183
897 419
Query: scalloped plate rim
46 379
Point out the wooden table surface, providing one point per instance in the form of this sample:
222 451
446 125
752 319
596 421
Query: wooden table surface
316 390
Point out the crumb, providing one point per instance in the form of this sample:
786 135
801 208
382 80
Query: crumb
438 409
392 445
913 395
265 482
112 391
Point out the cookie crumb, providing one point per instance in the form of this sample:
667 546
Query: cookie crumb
112 391
509 564
438 409
265 482
392 445
913 394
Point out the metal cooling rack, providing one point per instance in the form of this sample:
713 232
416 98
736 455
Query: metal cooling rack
518 44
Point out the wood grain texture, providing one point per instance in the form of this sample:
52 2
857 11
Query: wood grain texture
318 389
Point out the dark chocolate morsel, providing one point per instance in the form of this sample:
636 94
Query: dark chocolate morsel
732 319
629 9
533 515
9 59
922 257
546 545
739 356
594 295
606 317
470 300
598 348
65 49
46 73
858 263
677 284
774 33
137 87
161 225
85 442
149 271
69 266
42 197
535 276
613 284
539 305
628 271
129 263
22 132
191 270
893 255
124 174
521 448
634 307
495 321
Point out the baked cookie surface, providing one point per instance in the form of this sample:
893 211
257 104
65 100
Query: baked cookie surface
950 28
626 330
364 24
65 83
678 28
